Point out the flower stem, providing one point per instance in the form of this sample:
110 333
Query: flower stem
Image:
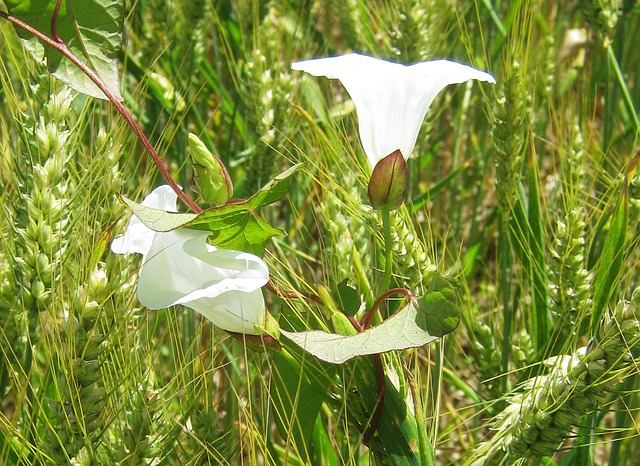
388 249
61 47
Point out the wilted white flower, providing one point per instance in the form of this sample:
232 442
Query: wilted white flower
180 267
391 99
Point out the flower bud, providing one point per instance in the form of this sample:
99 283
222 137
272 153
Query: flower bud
210 175
98 284
388 182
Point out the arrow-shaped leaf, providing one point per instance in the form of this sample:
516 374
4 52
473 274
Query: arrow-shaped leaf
274 190
611 259
156 219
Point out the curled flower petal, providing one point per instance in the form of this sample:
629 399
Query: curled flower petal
391 99
235 311
181 268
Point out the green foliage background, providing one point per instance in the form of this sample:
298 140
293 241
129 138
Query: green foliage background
524 194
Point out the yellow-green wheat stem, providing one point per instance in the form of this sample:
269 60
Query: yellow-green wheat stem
39 243
569 277
77 410
509 130
412 33
569 281
602 16
349 257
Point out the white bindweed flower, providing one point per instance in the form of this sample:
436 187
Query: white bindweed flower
180 267
391 99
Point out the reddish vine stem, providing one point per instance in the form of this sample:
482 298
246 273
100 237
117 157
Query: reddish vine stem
54 23
291 294
310 296
61 47
256 341
374 422
365 321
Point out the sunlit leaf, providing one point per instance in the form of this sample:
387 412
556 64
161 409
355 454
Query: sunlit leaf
92 29
156 219
274 190
414 325
232 226
239 230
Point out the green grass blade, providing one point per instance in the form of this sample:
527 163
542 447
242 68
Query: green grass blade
610 261
541 318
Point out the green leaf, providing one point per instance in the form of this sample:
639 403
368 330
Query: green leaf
541 319
232 226
396 441
610 262
414 325
440 312
348 298
296 402
274 190
156 219
239 230
321 447
92 29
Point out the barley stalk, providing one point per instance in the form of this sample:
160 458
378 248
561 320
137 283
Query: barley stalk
508 131
539 418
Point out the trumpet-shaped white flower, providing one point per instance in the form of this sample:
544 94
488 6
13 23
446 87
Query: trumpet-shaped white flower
391 99
180 267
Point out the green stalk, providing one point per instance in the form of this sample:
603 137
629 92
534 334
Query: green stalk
388 249
542 324
504 255
622 421
427 455
628 102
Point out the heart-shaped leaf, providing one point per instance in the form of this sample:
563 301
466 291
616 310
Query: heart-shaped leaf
414 325
92 29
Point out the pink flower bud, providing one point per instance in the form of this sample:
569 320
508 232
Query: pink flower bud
388 182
